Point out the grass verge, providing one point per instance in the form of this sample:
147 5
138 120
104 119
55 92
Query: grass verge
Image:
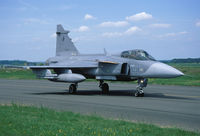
18 120
10 73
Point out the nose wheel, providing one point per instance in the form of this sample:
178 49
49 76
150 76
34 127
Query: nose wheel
139 92
104 87
142 83
73 88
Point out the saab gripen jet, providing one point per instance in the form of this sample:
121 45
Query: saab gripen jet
72 67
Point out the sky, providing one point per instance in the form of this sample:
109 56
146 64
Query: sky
166 29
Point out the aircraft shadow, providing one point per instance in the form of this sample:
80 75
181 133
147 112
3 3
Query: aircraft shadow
113 93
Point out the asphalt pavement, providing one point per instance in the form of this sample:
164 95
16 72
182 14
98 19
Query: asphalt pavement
166 106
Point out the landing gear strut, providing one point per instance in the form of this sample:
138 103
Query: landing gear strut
104 87
73 88
141 84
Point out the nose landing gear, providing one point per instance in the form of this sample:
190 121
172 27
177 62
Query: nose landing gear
141 84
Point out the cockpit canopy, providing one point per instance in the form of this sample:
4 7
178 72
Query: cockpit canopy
137 54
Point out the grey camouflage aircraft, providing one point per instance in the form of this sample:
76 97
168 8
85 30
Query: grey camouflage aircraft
72 67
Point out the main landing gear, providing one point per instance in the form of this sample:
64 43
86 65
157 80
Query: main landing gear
104 87
73 88
141 84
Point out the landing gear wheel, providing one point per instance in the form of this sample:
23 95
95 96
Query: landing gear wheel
142 83
139 93
72 89
105 88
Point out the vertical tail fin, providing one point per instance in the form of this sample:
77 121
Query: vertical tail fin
64 45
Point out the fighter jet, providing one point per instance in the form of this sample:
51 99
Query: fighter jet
72 67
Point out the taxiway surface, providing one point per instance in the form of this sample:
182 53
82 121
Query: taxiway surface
173 106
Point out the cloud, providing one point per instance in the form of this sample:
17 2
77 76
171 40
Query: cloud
173 34
132 30
112 34
183 32
35 20
84 38
88 16
129 31
198 24
76 39
83 28
114 24
26 6
53 35
139 16
160 25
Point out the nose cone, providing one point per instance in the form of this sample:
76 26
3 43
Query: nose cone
161 70
81 78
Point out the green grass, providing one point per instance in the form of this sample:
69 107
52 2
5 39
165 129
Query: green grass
16 74
191 78
18 120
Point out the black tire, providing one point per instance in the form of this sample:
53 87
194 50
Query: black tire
142 95
138 94
105 88
72 89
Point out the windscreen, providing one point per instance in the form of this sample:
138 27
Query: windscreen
137 54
